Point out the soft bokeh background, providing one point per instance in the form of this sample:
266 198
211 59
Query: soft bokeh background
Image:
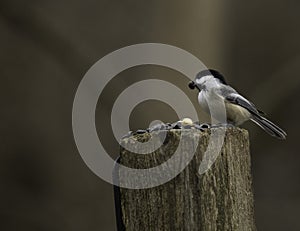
46 48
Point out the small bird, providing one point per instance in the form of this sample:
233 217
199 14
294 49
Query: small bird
213 89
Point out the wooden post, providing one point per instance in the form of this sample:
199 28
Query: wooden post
220 199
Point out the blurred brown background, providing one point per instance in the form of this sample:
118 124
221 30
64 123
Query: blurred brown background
46 48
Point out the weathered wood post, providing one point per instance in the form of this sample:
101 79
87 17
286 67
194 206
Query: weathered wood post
220 199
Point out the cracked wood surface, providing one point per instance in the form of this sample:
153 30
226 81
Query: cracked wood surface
220 199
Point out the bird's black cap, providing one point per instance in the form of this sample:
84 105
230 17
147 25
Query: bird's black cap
212 72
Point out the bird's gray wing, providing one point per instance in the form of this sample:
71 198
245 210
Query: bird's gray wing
237 99
233 97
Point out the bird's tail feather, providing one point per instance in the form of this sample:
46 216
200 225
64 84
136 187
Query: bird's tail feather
269 127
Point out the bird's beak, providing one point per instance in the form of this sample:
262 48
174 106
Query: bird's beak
193 85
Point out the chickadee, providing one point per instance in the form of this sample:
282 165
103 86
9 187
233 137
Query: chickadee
213 89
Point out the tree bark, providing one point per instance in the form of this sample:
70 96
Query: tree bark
220 199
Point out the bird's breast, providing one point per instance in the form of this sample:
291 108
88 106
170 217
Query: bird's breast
202 100
213 104
235 114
